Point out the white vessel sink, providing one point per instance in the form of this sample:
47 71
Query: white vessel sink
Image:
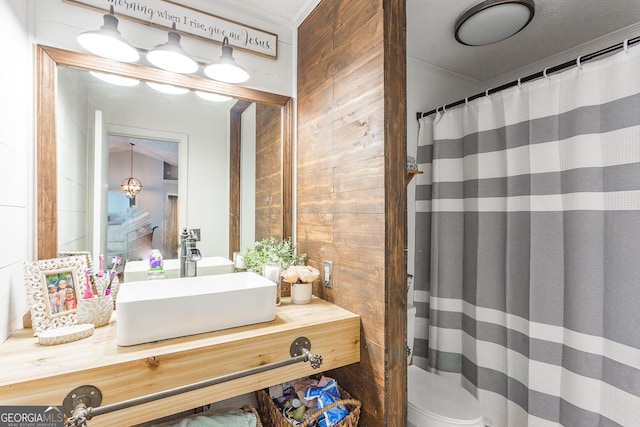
154 310
135 271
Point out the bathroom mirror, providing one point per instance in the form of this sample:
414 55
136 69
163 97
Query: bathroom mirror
271 193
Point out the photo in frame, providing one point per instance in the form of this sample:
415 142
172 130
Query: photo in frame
53 288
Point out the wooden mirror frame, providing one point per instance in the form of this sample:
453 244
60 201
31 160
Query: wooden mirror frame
48 58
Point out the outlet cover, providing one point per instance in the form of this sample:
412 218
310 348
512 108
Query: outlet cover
327 273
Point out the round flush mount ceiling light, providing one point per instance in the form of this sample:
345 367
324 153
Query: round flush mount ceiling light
493 20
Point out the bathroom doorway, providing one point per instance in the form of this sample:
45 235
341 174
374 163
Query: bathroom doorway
150 219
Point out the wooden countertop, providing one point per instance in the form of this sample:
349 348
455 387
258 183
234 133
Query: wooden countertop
31 374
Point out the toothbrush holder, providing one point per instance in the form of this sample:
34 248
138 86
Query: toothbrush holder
96 310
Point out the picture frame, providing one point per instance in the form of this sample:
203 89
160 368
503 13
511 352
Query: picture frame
53 288
86 254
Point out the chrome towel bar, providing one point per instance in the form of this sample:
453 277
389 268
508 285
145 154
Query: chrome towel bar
83 403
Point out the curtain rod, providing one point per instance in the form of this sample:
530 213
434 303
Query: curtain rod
579 60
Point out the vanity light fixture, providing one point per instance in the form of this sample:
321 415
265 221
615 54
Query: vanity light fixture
226 69
107 41
171 56
213 97
131 186
169 89
493 20
115 79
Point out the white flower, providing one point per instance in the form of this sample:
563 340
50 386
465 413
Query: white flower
300 274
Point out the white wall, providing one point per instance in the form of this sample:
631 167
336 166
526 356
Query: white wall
248 178
16 151
72 141
57 24
427 88
206 166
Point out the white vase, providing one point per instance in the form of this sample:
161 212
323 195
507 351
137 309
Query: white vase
301 293
96 310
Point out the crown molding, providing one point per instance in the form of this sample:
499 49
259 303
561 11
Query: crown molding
439 70
305 10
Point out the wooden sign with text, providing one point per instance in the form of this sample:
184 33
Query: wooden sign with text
190 22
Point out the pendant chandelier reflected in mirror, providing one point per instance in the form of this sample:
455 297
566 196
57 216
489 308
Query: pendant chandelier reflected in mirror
131 186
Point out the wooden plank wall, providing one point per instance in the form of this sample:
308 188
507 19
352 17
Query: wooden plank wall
351 194
47 200
235 148
269 215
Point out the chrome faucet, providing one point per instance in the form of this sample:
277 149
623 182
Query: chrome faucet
189 254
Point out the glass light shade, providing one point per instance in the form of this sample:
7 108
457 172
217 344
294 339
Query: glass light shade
171 90
131 186
115 79
226 70
172 57
493 20
108 43
213 97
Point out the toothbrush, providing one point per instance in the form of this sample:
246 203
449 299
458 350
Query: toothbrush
115 261
112 276
88 292
92 281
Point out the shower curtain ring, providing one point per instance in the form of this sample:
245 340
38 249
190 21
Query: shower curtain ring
625 46
486 93
444 108
544 73
519 83
466 101
578 62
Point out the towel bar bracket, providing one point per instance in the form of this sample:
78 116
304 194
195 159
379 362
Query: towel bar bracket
79 400
302 346
298 344
83 403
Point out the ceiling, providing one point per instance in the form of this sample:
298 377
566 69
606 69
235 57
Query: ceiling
166 151
558 25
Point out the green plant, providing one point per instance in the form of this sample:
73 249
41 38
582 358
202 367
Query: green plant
270 250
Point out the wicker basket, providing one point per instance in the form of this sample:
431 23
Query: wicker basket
272 417
251 409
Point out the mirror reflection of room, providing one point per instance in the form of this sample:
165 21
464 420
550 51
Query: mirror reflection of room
177 139
139 222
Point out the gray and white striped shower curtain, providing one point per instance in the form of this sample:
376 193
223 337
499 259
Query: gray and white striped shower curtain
528 248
